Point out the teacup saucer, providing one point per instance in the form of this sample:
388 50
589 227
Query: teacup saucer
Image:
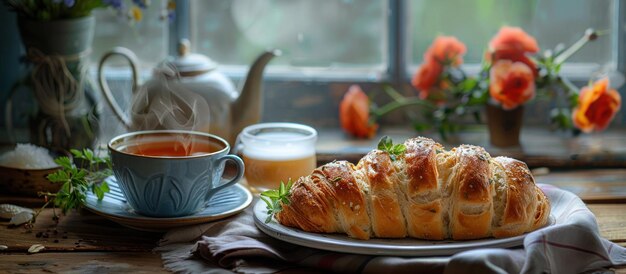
225 203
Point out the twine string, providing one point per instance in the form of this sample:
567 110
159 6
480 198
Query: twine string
56 89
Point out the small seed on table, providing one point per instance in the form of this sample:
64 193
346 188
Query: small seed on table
35 248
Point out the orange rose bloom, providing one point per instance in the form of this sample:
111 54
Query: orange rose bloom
513 39
426 77
515 57
513 43
512 83
354 113
597 106
446 50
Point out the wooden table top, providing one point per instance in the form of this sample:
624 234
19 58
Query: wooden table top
85 242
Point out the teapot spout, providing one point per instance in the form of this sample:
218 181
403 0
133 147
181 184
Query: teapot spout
247 109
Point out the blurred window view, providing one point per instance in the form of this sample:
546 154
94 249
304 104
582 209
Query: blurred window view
148 38
330 35
551 22
339 36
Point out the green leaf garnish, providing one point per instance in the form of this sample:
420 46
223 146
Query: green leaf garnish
386 144
76 181
64 162
276 198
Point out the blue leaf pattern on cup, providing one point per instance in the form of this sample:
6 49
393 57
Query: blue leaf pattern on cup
152 192
157 186
201 187
127 176
176 195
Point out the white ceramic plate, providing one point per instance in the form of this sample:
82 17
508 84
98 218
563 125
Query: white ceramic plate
225 203
375 246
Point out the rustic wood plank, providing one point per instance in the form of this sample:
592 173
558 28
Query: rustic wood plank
22 201
591 185
82 262
78 231
611 221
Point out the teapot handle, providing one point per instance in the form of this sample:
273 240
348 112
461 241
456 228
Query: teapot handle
132 60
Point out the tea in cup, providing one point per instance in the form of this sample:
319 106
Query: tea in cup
171 173
275 152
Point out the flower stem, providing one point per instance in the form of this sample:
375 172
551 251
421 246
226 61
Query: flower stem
393 93
590 35
569 87
399 103
38 211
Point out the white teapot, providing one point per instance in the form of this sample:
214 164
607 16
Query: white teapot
189 92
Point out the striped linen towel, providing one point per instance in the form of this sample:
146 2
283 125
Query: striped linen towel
572 245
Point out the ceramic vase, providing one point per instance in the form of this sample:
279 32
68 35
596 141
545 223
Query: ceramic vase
59 50
504 125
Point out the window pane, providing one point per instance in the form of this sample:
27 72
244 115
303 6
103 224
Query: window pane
551 22
146 38
326 34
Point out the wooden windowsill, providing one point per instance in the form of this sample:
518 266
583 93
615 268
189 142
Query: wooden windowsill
540 147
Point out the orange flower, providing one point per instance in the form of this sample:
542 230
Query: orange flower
513 39
426 77
597 106
513 44
512 83
514 57
446 50
354 113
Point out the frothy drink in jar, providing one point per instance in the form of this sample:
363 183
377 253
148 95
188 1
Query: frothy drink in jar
277 153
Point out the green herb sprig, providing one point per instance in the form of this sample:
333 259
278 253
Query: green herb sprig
276 198
76 182
386 144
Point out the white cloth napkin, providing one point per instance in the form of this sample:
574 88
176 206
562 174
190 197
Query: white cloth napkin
573 245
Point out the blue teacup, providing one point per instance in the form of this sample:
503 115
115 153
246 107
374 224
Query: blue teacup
171 173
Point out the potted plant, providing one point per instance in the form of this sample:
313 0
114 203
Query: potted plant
57 36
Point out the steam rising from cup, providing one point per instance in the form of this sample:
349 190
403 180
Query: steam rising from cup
161 105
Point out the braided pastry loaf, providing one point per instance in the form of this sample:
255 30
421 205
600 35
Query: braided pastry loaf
426 192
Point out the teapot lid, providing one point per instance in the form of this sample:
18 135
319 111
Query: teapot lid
188 63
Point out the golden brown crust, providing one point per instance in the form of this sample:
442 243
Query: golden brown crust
386 214
352 208
472 174
542 214
426 193
423 210
308 199
520 202
421 165
524 201
471 203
